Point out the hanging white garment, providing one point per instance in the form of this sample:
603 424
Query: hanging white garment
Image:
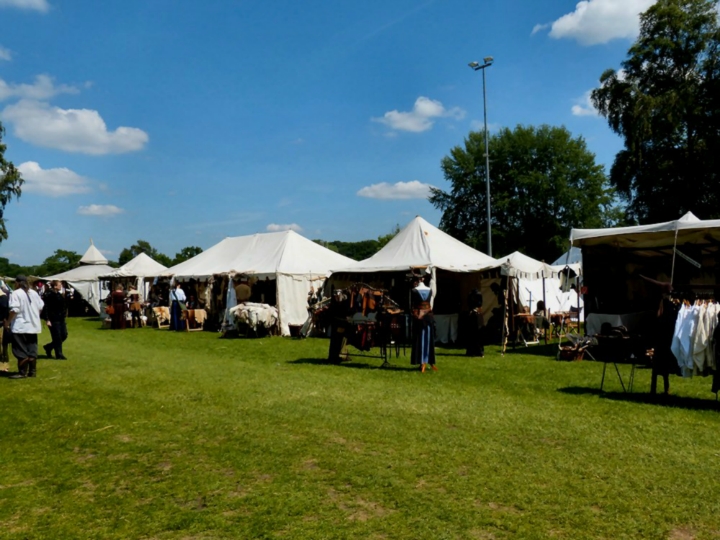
712 319
699 339
676 347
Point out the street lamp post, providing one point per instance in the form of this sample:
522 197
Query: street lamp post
476 66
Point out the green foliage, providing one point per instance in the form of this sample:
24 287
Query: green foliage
543 182
8 269
185 254
361 250
10 184
665 104
60 261
169 435
143 246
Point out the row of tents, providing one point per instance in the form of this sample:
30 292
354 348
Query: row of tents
297 264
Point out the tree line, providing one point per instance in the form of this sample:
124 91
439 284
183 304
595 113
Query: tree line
63 260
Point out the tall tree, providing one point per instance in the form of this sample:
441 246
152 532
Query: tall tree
10 184
543 183
143 246
665 104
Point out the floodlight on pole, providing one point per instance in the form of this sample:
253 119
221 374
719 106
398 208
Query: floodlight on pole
476 66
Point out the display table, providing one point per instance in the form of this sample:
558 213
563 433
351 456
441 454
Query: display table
194 319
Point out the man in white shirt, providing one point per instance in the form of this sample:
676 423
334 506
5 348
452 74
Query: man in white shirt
25 325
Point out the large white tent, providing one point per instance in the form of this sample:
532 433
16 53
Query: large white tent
85 279
296 263
420 244
141 267
532 276
454 267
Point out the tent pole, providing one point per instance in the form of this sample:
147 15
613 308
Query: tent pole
546 311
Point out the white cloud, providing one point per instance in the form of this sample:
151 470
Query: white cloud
584 106
52 182
599 21
5 54
43 88
72 130
422 116
37 5
275 227
103 210
399 190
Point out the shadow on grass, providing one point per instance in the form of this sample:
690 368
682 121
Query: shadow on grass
549 350
680 402
353 364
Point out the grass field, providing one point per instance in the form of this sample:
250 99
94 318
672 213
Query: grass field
153 434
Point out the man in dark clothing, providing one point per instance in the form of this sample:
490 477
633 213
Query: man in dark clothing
55 310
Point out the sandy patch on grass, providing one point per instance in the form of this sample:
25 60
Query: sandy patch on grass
682 533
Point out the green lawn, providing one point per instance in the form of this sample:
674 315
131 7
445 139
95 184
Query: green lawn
153 434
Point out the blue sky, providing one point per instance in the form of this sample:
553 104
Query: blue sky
183 122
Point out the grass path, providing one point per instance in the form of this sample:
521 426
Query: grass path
153 434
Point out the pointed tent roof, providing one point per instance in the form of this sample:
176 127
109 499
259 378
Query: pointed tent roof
689 229
521 266
572 256
88 272
421 244
266 254
93 256
141 266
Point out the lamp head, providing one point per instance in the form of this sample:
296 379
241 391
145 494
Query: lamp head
488 59
474 65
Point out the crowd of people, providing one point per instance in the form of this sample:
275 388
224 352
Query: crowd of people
22 309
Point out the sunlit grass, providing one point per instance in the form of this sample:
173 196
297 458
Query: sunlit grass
155 434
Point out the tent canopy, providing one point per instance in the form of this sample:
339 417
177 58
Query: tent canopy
93 256
296 263
519 265
262 255
420 244
141 266
689 230
571 257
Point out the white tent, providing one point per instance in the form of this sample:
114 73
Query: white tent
532 275
296 263
85 279
570 257
420 244
689 229
141 267
453 266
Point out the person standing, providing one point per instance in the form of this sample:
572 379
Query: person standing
423 345
476 325
24 322
177 304
4 334
55 312
117 314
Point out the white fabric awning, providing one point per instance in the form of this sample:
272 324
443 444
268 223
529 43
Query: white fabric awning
420 244
141 266
689 229
519 265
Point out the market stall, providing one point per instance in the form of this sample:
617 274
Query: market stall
628 271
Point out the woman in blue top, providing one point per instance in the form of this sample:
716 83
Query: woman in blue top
423 326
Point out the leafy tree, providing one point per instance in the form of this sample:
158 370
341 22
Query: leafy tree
186 253
359 250
8 269
10 184
665 104
383 240
543 183
143 246
60 261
